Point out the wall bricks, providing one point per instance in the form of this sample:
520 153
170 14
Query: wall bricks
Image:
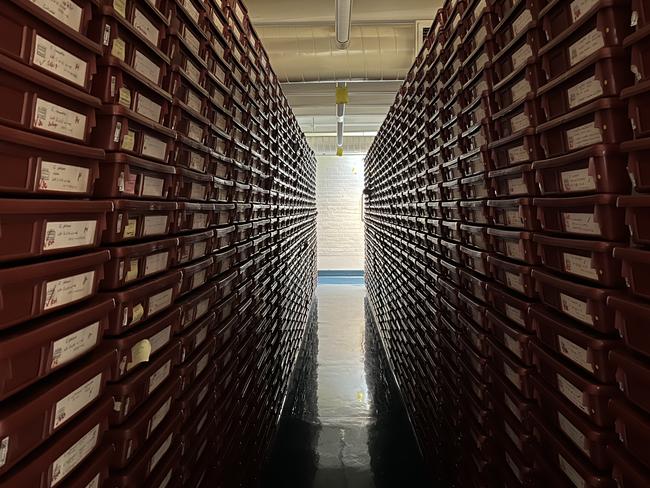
339 202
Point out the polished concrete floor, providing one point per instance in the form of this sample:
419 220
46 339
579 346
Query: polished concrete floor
344 426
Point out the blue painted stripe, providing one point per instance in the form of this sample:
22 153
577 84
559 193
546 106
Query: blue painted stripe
341 280
338 272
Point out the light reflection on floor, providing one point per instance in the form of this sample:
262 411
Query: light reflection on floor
346 428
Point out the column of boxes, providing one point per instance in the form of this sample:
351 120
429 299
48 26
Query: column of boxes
499 255
157 184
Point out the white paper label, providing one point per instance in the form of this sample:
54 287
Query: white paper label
577 180
167 479
586 46
512 344
201 424
576 353
584 91
513 467
197 162
519 90
192 72
201 336
152 187
200 221
74 402
512 375
63 235
582 136
581 223
521 56
70 459
68 290
156 263
197 191
522 22
512 407
572 432
192 41
63 177
576 309
202 395
511 434
513 218
145 27
571 473
195 132
572 393
193 101
191 10
162 450
155 225
4 449
148 108
513 250
581 7
147 68
74 345
199 249
160 301
519 122
57 60
517 154
159 416
515 315
65 11
202 308
517 186
51 117
158 377
579 266
515 282
202 364
199 278
153 147
160 339
95 482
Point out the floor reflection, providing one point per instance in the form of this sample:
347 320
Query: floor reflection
345 426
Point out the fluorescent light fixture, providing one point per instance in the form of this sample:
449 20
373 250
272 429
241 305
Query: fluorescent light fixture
343 23
348 134
340 112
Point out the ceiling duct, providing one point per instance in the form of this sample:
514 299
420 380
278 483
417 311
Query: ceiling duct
308 53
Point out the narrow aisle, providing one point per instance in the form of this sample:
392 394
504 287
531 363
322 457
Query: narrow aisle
345 426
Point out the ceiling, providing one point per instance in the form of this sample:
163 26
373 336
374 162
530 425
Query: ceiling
299 37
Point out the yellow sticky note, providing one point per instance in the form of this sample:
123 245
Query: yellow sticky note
132 272
120 7
119 49
125 97
140 353
138 312
129 141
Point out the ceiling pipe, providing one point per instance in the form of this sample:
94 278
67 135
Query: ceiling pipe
343 23
342 99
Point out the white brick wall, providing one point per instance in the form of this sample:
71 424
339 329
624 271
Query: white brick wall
339 187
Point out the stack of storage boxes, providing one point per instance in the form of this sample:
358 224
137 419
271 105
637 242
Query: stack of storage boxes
498 243
150 206
55 412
